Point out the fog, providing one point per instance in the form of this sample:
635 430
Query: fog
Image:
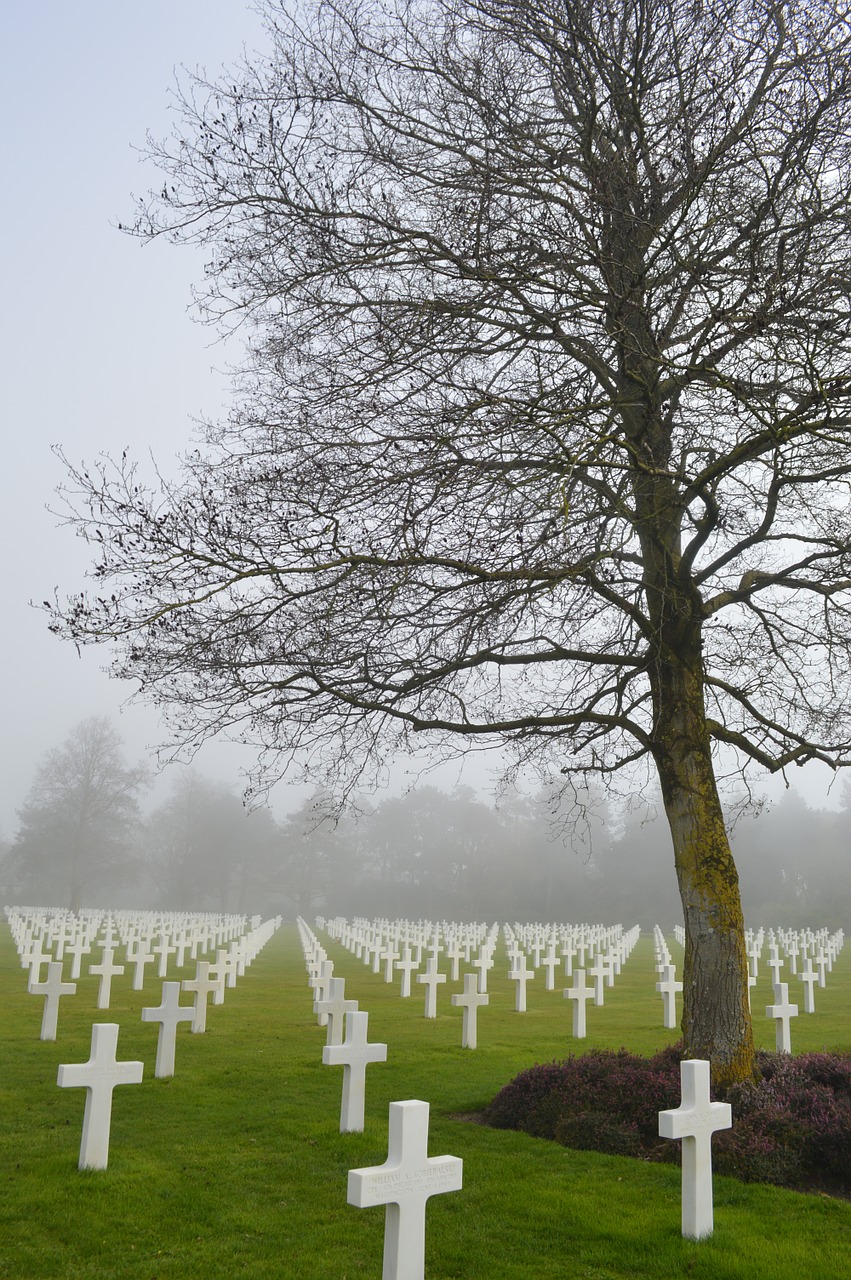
101 353
84 840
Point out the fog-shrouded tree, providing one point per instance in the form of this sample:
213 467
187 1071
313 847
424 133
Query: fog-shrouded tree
311 865
204 850
543 435
78 837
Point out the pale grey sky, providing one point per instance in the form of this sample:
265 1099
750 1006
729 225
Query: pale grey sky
99 348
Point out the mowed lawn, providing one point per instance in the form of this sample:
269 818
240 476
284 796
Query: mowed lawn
235 1167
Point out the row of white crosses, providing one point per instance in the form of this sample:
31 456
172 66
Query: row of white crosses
102 1073
819 948
145 936
607 949
347 1044
403 946
160 934
667 986
409 1176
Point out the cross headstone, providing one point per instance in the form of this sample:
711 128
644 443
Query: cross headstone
454 954
354 1055
52 988
407 965
792 952
404 1183
597 972
35 958
431 980
168 1014
809 977
469 1001
669 988
201 986
77 948
163 950
483 963
550 962
782 1011
335 1006
580 994
106 971
319 984
522 977
389 955
694 1121
140 957
99 1076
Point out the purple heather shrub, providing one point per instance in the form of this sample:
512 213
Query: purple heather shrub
792 1127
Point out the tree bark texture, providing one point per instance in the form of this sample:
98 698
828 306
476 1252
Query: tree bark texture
716 1012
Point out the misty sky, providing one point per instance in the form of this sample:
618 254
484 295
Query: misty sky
100 350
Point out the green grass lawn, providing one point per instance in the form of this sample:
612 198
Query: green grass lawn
235 1167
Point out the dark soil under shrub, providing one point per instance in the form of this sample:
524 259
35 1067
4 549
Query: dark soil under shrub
791 1128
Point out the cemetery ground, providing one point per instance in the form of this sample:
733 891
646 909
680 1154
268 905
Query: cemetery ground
235 1166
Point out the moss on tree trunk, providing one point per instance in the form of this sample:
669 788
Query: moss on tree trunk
716 1011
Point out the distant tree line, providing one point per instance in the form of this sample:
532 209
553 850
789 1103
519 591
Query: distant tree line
437 855
83 840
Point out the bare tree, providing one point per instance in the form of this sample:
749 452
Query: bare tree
79 824
544 434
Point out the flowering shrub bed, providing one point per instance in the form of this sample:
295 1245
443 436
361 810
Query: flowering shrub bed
792 1127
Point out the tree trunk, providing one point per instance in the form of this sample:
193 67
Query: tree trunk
716 1013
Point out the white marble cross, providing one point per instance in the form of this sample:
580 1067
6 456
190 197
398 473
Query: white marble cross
106 971
52 988
201 986
354 1055
454 954
782 1011
168 1014
404 1183
34 958
140 957
483 963
469 1001
695 1121
220 969
431 979
77 949
550 962
597 972
522 977
389 955
335 1006
164 949
669 988
319 984
407 965
99 1076
809 977
792 953
580 994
